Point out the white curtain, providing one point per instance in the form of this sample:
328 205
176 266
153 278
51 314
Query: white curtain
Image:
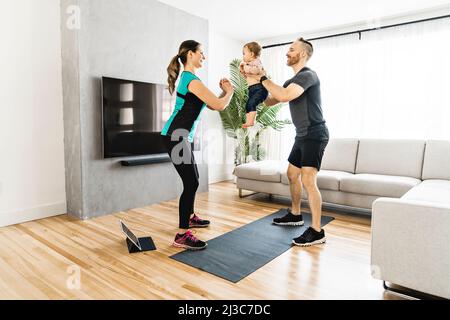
391 84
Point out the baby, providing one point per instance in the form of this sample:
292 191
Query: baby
257 94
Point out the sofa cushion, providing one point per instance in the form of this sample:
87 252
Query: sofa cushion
430 191
267 170
378 185
284 178
436 163
340 155
326 179
391 157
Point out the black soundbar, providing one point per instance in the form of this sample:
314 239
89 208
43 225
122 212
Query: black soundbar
140 162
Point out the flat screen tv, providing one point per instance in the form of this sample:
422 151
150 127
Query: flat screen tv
134 114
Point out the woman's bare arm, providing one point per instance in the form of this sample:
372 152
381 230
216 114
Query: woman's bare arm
212 101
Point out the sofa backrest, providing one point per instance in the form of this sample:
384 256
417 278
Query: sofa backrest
391 157
340 155
436 163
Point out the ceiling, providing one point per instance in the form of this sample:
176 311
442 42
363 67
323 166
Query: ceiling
261 19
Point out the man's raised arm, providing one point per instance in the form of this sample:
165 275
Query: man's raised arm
277 93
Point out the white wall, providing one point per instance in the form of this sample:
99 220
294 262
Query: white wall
220 149
32 183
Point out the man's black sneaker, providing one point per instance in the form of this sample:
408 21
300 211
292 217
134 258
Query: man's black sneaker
310 237
289 220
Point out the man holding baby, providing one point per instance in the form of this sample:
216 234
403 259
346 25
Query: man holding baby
302 92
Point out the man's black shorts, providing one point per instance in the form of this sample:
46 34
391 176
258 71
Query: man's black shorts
307 152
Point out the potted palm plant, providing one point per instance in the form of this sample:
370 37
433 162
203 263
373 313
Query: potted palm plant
248 144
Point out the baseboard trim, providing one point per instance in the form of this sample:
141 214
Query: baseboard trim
30 214
224 176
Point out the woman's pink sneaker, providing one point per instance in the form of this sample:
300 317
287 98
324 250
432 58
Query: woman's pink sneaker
189 241
196 222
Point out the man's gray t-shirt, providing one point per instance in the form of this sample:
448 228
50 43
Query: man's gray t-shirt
306 110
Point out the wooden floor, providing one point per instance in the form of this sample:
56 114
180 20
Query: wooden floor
41 259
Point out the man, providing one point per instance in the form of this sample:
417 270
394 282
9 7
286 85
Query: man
303 94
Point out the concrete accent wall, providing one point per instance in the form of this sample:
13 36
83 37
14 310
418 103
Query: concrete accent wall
130 39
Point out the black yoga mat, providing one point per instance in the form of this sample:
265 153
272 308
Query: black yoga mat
238 253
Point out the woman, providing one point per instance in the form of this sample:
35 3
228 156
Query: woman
179 131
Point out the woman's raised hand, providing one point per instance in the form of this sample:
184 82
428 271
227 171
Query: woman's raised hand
221 83
226 85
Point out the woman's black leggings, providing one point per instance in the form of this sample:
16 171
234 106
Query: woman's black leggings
182 157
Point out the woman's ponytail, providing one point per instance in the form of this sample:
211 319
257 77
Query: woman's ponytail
173 70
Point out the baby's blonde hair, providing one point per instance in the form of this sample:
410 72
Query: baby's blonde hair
254 48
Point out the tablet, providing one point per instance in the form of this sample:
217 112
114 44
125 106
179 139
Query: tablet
130 235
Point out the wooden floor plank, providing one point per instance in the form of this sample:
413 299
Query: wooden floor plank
36 257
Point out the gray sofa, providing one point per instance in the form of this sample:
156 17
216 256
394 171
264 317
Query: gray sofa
404 184
411 235
354 172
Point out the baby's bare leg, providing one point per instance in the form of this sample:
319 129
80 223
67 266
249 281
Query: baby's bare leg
251 116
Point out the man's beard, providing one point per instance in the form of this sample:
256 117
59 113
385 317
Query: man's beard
293 60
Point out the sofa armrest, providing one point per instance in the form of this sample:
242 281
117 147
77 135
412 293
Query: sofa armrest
410 244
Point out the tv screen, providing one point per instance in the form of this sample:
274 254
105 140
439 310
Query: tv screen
134 114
